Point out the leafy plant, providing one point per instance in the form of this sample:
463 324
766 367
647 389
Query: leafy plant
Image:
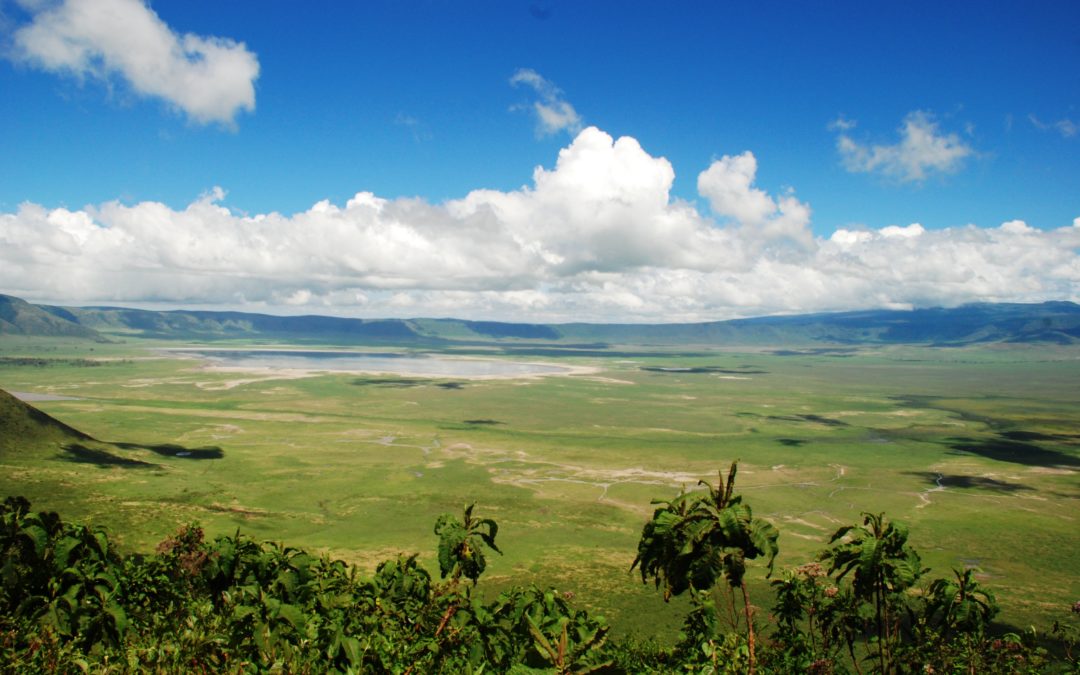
882 567
960 604
460 549
1067 631
696 538
815 621
69 602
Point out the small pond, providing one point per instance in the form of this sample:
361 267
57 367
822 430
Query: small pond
374 362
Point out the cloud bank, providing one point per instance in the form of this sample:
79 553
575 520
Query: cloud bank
210 79
597 237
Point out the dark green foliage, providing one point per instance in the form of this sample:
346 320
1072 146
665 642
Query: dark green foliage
233 604
882 568
70 603
960 605
460 550
817 621
1067 631
62 577
696 538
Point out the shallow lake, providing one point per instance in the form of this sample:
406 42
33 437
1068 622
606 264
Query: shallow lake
375 362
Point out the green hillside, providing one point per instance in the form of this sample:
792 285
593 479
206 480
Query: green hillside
1044 323
27 433
183 324
18 317
982 323
27 430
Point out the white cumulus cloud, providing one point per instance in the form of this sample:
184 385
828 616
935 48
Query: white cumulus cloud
553 112
921 151
210 79
728 185
595 237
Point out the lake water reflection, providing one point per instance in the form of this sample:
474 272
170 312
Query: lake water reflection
374 362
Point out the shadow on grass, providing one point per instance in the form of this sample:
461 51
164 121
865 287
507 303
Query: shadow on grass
964 482
484 422
792 442
1005 450
589 350
696 370
810 418
84 454
404 383
77 452
174 450
396 382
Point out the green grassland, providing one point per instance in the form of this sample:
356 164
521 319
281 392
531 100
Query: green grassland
977 449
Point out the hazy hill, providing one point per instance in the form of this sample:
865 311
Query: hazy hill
19 317
1048 322
184 324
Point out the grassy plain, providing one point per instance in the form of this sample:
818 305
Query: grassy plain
976 449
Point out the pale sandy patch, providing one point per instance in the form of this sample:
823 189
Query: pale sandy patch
140 382
1053 471
608 380
218 414
263 375
804 523
367 559
801 536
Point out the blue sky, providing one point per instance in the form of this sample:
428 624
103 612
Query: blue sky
870 117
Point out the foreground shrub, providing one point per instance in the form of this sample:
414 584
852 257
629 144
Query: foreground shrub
69 602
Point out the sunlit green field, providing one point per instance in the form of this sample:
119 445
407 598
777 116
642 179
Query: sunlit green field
977 450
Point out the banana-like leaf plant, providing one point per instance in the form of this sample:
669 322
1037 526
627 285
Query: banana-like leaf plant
960 604
697 538
882 566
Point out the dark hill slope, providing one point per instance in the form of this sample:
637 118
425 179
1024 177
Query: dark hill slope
28 435
25 429
18 317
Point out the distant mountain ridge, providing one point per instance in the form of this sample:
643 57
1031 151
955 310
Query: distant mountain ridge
1043 323
18 317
